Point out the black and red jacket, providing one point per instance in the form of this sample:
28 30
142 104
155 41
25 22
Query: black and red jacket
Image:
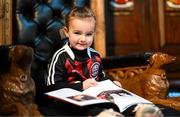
69 67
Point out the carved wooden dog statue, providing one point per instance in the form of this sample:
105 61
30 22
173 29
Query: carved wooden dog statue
153 80
152 83
17 88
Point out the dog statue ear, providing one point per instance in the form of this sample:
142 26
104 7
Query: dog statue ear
4 59
21 56
152 59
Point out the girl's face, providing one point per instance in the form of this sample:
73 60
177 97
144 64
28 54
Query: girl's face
80 32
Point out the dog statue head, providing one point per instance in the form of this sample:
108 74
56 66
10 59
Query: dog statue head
15 81
159 59
16 85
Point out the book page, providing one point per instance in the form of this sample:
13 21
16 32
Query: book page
113 93
102 86
65 92
75 97
124 99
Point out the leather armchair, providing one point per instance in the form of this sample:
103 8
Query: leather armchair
36 23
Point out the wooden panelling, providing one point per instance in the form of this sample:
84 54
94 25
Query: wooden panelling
5 22
170 36
99 39
129 33
172 29
126 35
149 26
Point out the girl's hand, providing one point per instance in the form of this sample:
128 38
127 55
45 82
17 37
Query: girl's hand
89 83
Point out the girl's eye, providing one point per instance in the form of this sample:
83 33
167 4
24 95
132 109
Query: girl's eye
77 33
89 34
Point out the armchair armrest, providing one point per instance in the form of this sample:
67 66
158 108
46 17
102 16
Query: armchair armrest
117 67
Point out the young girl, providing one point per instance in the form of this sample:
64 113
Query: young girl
76 65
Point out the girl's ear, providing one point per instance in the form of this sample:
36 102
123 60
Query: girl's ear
66 31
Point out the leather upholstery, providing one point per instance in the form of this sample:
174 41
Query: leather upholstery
36 23
130 60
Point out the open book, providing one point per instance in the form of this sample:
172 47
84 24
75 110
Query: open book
106 92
